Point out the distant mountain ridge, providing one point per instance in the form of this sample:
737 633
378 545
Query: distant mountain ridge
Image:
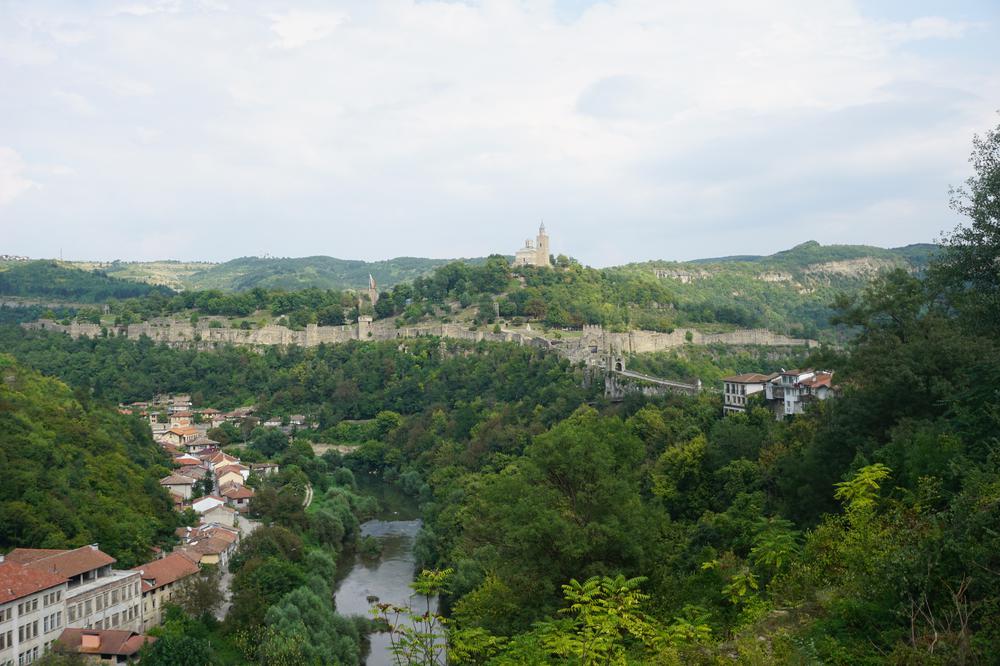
316 271
812 252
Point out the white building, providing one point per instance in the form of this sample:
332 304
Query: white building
96 596
793 389
32 612
785 393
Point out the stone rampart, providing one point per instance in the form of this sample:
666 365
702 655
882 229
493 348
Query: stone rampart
593 344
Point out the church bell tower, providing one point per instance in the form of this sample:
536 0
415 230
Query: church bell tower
542 247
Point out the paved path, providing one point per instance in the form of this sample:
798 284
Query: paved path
309 496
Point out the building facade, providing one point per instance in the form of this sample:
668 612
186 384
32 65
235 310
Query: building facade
32 612
738 388
160 581
786 393
97 596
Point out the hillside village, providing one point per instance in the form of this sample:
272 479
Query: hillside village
78 601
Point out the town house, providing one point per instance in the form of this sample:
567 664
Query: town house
160 581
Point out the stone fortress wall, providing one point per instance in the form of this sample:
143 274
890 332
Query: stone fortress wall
592 347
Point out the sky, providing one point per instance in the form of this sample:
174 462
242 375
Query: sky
369 129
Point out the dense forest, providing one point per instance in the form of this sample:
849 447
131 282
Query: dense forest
77 472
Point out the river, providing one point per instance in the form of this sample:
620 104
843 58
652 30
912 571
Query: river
389 576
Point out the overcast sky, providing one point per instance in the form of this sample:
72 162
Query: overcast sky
637 129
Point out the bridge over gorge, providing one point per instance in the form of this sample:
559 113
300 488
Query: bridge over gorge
619 382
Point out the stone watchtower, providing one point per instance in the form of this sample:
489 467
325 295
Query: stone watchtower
542 247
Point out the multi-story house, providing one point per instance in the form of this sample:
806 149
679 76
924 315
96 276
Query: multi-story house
793 389
738 388
32 612
160 581
786 393
97 596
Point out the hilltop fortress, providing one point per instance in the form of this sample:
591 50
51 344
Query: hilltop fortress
593 346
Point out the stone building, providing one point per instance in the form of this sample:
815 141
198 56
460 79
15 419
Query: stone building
535 252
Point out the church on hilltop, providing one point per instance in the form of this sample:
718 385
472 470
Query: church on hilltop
534 252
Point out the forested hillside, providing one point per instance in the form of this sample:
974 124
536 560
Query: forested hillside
76 472
52 281
790 292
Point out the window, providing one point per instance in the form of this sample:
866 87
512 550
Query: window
58 619
71 613
99 602
34 604
114 596
87 606
114 620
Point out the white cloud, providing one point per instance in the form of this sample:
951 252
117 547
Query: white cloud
380 127
13 182
298 28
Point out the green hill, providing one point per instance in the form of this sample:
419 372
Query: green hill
76 472
809 254
305 272
51 281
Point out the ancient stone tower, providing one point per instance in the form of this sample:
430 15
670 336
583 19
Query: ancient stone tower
372 290
543 247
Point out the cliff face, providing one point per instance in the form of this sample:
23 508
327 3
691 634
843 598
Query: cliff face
591 347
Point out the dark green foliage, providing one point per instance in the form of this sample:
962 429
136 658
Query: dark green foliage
76 472
49 280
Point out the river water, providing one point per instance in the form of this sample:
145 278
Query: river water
389 576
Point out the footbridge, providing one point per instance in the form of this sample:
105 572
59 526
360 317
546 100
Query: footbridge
619 382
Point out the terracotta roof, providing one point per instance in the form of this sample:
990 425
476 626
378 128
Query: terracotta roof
210 410
194 471
108 641
184 430
65 563
232 468
17 580
176 480
187 459
202 441
164 571
821 379
234 491
210 546
748 378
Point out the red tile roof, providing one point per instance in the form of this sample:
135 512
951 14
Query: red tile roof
176 480
748 378
17 580
109 641
236 492
65 563
164 571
